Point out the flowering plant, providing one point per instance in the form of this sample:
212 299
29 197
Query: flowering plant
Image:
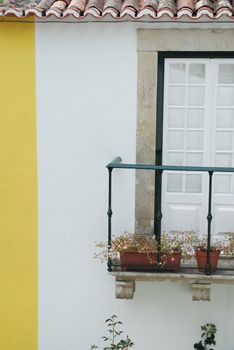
207 338
178 242
200 243
225 245
136 243
186 242
127 243
113 335
228 249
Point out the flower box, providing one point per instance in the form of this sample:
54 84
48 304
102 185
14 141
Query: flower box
148 261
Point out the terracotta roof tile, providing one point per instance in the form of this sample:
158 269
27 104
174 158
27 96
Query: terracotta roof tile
96 4
57 8
149 3
150 10
185 4
167 5
114 4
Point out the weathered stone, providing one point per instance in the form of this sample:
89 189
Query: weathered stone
201 291
154 40
124 289
146 134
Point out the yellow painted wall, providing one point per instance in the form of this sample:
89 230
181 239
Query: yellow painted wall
18 188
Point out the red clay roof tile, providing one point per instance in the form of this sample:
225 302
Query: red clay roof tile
140 10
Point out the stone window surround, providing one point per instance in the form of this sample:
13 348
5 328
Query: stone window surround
149 43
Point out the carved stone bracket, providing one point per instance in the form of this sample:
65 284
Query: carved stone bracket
201 291
124 289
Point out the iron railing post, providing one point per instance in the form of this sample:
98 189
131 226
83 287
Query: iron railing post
109 213
209 219
110 167
158 211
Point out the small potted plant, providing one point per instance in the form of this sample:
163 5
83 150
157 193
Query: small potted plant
112 341
201 253
207 338
141 252
135 251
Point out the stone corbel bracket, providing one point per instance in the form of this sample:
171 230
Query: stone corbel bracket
124 289
201 291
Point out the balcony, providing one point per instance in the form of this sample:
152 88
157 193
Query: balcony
200 281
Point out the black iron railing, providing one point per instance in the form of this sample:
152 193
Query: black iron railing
116 164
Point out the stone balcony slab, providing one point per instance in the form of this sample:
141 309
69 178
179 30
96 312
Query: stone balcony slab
200 283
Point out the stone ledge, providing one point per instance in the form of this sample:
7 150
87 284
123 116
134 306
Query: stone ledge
125 282
173 277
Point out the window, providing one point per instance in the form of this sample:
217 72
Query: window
197 115
154 47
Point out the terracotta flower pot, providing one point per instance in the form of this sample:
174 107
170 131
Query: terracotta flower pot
201 256
148 261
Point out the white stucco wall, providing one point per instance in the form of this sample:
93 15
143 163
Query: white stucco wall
86 115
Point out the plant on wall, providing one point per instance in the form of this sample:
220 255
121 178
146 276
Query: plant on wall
112 339
207 338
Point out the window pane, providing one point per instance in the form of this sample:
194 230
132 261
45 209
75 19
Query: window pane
193 183
195 118
194 159
176 117
224 141
174 183
175 140
177 73
196 95
226 96
176 96
195 140
223 184
223 160
175 158
224 118
196 73
226 73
